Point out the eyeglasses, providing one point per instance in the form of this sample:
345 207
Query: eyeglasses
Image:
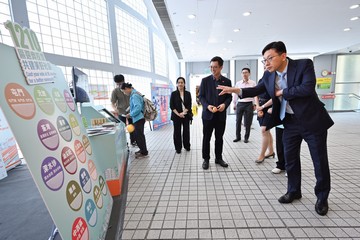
269 59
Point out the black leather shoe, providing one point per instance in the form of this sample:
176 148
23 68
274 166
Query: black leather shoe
246 140
205 165
236 140
178 151
187 149
221 162
321 207
289 197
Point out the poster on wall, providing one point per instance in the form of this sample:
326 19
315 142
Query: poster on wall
99 91
160 96
323 83
8 149
49 131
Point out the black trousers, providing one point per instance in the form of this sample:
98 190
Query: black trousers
132 135
208 127
294 133
140 136
184 138
246 109
280 148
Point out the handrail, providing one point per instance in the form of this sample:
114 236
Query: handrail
355 96
343 94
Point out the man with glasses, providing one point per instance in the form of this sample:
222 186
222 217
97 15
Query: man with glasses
244 106
291 85
214 111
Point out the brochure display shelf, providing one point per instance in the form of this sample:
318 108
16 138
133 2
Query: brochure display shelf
112 152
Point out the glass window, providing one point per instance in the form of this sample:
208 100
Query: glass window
138 5
91 23
133 41
159 56
4 16
348 69
141 84
153 23
173 75
347 87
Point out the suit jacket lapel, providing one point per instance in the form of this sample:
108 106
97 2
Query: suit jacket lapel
291 73
272 83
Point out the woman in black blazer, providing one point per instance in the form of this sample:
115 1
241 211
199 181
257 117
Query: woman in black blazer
180 105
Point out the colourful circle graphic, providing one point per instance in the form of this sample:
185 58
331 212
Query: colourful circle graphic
102 184
98 197
74 124
86 143
52 173
80 230
85 180
59 99
69 100
69 160
74 195
47 134
20 101
92 170
64 128
79 150
44 100
91 212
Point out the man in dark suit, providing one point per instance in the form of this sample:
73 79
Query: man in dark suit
291 85
214 111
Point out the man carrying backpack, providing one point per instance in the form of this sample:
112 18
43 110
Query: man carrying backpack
137 115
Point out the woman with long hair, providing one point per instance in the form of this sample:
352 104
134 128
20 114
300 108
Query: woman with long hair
181 115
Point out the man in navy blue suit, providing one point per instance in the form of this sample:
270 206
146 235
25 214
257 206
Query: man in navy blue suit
214 111
291 85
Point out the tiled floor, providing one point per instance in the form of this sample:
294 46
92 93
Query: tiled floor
171 197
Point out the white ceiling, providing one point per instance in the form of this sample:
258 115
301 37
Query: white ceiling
307 27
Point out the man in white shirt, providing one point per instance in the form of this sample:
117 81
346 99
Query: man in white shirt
244 106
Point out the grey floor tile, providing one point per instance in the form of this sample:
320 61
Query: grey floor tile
192 233
180 224
169 224
298 232
139 234
153 234
166 234
217 233
231 233
205 234
127 234
179 234
244 233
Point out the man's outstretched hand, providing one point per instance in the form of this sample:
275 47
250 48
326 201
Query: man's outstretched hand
228 90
